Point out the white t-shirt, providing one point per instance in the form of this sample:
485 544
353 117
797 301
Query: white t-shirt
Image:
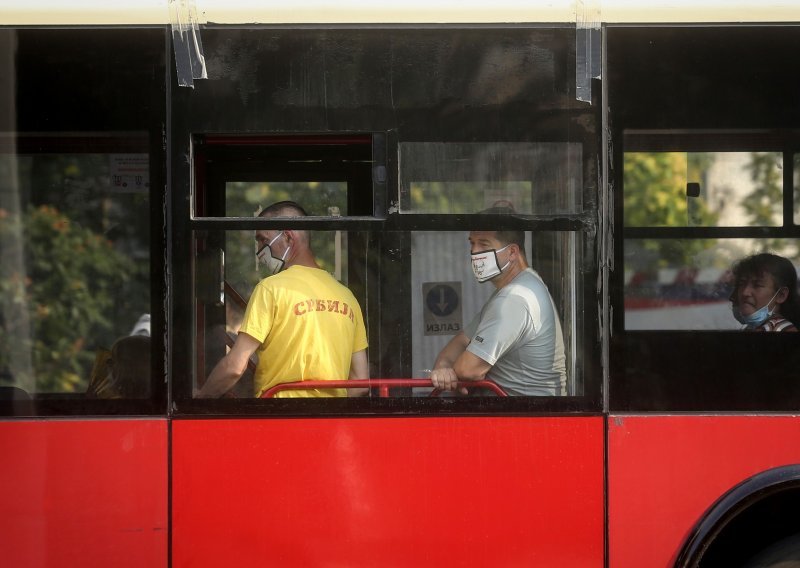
518 332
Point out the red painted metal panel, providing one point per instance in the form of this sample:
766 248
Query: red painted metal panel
388 492
83 493
665 471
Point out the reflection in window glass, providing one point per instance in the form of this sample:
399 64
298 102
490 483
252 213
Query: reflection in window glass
797 189
431 303
703 189
75 273
682 284
532 178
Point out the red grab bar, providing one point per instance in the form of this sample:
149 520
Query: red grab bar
383 385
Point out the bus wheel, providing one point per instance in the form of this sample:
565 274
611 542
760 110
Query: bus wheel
782 554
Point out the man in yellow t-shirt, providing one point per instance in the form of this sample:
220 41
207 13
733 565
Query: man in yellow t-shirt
302 323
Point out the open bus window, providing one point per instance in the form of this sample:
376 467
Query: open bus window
412 302
330 176
319 197
537 178
75 265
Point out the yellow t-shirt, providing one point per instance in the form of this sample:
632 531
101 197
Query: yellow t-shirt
309 326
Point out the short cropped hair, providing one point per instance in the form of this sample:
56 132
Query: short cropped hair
512 238
507 237
284 209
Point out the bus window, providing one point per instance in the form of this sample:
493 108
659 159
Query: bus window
677 280
81 159
693 205
75 273
412 304
329 175
395 171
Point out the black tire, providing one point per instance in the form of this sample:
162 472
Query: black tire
782 554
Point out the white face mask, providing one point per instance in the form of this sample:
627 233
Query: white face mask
265 257
485 265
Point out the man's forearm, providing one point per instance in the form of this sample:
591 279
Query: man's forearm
447 357
221 380
359 369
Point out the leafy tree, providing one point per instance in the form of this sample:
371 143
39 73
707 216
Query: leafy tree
70 286
763 205
655 196
766 198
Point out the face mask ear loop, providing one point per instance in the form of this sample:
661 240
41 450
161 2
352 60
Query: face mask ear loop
775 295
508 262
275 238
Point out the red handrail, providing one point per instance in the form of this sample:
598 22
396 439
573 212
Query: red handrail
383 385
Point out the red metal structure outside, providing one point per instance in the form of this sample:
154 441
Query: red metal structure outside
484 491
84 493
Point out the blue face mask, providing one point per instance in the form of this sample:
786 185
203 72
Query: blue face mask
758 317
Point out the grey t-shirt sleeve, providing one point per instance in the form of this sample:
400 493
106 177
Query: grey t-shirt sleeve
501 324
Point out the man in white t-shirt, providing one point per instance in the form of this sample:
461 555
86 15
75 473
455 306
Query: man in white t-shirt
516 339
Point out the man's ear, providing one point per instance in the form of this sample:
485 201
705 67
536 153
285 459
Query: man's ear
783 295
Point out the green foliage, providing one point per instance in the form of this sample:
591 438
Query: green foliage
62 294
456 197
760 203
655 196
655 189
764 203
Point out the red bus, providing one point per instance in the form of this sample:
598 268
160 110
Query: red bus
642 160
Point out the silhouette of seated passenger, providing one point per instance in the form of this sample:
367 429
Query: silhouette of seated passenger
123 372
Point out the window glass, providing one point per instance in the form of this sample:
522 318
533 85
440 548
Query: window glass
75 270
703 189
532 178
675 284
416 291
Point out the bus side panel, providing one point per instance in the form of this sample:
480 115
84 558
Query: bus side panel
83 493
664 472
388 492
